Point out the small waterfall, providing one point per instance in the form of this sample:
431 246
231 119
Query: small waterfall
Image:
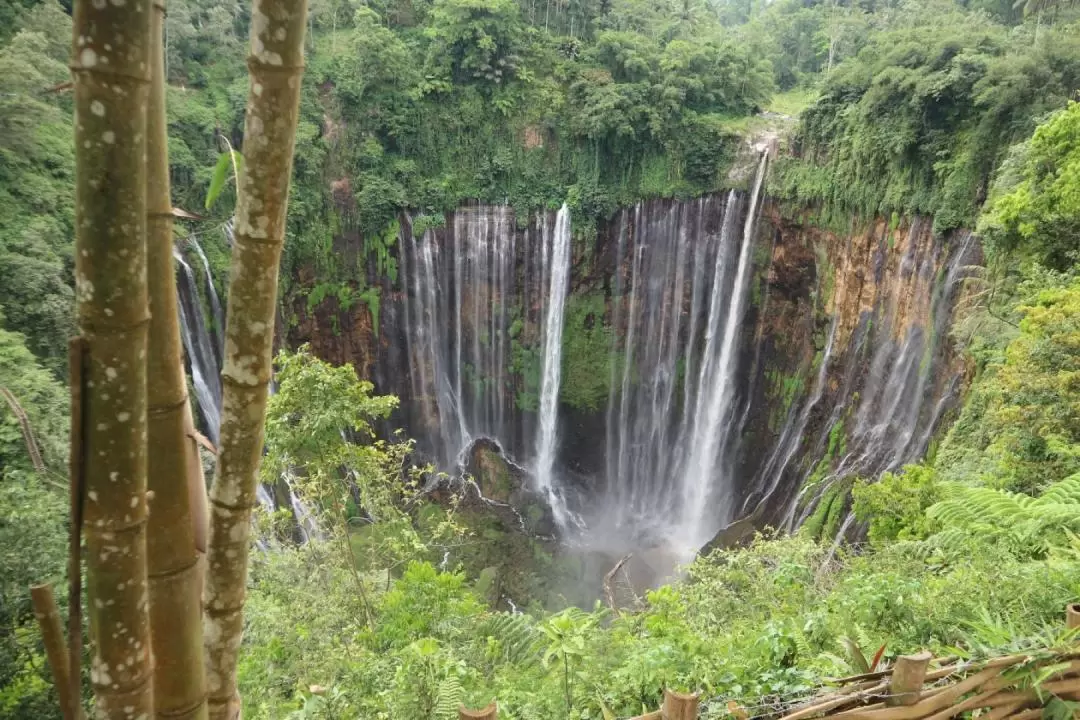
898 406
199 346
217 314
559 271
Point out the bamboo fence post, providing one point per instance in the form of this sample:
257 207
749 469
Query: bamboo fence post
680 706
48 617
907 679
491 712
1072 616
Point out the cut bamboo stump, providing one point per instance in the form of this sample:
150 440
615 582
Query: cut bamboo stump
680 706
491 712
908 676
1072 616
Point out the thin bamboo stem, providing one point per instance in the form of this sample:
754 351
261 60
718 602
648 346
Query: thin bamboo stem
76 359
48 618
491 712
173 570
275 65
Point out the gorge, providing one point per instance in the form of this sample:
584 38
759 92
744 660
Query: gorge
721 360
576 352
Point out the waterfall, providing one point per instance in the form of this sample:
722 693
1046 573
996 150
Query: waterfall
199 346
713 418
558 268
216 312
475 296
680 293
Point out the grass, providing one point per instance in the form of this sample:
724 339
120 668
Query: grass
792 102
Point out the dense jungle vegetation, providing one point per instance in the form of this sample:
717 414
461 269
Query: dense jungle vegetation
962 111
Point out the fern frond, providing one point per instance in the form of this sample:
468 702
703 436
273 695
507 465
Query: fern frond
1064 492
449 698
520 641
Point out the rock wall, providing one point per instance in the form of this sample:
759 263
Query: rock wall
845 366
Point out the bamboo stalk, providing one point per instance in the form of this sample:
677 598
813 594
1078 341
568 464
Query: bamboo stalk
926 706
1033 714
48 618
831 702
76 359
275 65
907 679
1072 616
680 706
175 588
111 64
1003 711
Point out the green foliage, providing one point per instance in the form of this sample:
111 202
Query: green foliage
586 354
919 119
229 162
33 514
1037 203
895 505
1019 428
319 431
770 620
1021 524
37 168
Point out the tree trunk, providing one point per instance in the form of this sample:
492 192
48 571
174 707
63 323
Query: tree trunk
172 562
111 66
276 65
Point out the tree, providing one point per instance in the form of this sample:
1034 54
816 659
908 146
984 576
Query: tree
175 472
478 41
111 62
276 65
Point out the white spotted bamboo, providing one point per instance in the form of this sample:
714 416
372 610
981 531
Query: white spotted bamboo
111 67
276 67
172 560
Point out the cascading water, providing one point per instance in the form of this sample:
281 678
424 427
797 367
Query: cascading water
217 314
713 418
551 366
665 447
475 296
204 353
692 433
199 346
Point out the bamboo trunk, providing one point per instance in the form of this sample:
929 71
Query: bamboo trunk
276 66
907 679
48 618
680 706
175 602
111 66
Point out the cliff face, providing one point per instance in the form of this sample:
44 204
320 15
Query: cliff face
719 362
855 370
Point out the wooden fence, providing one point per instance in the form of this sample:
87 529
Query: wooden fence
919 687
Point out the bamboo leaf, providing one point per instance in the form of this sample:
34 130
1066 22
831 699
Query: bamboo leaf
225 163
